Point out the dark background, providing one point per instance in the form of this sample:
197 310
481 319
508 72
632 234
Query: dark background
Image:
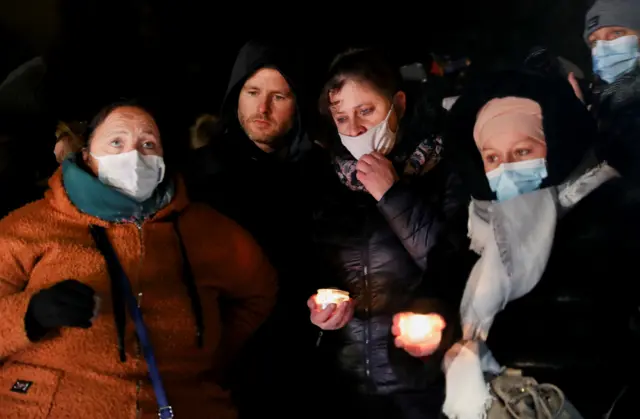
180 52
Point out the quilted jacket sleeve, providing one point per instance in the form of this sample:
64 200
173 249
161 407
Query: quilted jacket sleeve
420 213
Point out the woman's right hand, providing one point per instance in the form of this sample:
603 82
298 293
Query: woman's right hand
333 317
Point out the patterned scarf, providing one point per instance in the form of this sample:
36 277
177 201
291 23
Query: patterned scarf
408 163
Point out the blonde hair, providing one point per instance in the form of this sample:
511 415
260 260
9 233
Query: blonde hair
205 127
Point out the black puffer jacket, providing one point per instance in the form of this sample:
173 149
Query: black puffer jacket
379 252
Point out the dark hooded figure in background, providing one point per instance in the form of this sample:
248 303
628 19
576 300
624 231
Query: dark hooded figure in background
258 172
26 136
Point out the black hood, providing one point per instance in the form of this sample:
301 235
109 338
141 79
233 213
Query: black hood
570 130
263 54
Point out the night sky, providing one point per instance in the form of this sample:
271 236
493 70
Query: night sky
181 52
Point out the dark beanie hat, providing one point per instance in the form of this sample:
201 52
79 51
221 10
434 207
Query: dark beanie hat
603 13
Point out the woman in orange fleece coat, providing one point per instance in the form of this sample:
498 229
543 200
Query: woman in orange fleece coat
200 281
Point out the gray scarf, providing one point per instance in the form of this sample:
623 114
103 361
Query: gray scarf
514 240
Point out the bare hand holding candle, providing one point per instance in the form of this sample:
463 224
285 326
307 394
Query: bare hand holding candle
418 334
331 309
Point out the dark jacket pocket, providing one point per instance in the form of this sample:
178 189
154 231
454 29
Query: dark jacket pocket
27 391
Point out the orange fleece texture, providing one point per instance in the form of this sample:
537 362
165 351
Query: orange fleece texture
76 373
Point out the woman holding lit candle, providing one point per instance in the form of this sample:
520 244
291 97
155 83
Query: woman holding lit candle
387 207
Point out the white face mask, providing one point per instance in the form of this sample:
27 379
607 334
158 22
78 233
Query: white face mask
379 138
132 173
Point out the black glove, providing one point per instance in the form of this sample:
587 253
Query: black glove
69 303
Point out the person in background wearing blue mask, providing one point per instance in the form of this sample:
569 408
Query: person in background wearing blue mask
611 31
556 233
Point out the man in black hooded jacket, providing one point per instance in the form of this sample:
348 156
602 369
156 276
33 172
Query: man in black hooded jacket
259 173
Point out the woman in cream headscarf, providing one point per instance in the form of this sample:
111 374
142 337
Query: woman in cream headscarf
509 136
546 219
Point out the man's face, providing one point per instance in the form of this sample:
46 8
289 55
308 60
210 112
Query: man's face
266 108
610 33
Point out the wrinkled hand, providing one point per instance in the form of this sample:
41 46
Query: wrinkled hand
576 87
426 346
333 317
376 173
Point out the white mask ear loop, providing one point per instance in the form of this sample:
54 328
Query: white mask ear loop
392 109
387 141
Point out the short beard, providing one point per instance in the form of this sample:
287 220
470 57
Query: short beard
269 142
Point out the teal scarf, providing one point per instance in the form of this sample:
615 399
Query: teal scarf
91 196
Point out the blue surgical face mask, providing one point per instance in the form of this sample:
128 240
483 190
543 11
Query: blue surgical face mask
611 59
512 179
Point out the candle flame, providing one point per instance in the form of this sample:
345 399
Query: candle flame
327 296
418 327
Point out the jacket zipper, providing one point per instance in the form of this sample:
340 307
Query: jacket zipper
367 310
139 299
367 329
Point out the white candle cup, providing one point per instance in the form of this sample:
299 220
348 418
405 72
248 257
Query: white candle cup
418 328
326 296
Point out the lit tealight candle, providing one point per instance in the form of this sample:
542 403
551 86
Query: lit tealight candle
327 296
419 328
